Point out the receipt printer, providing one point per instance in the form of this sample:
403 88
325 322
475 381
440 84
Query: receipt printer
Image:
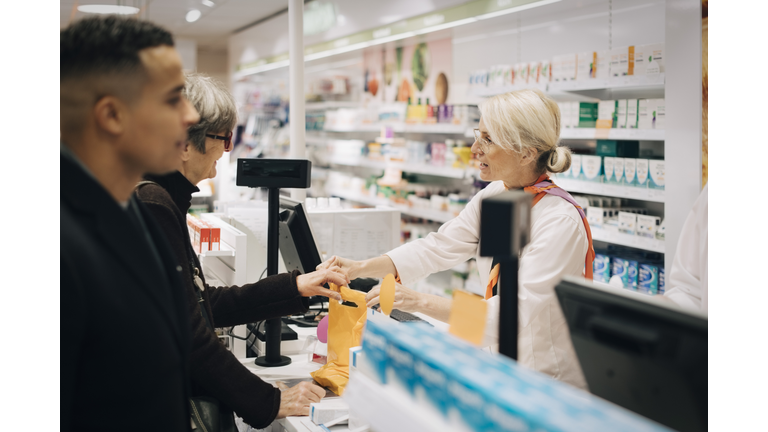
274 173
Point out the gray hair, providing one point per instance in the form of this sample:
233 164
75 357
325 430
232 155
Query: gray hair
527 119
215 104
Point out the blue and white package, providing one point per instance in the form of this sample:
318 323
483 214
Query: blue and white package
633 269
620 268
601 268
662 281
375 341
648 282
401 350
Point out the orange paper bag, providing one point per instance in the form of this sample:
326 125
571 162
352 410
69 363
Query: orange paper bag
345 330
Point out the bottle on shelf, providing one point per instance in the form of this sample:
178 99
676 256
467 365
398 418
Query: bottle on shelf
430 113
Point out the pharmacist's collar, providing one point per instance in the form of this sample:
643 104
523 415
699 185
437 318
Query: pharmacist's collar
178 187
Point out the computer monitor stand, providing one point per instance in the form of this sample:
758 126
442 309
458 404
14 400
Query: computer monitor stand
273 329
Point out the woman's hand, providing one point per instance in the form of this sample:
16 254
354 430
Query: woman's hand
406 299
351 267
311 284
295 401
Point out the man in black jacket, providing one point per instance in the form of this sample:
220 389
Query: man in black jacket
124 329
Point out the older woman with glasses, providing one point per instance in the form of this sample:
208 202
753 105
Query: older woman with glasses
517 144
214 370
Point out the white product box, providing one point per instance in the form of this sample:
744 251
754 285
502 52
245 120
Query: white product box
645 111
546 71
647 225
603 69
619 62
521 77
660 118
632 106
657 174
630 168
655 56
585 66
641 172
575 107
590 168
605 111
597 216
608 165
534 72
575 166
627 222
621 115
618 170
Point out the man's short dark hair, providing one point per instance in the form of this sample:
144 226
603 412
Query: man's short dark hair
107 45
100 56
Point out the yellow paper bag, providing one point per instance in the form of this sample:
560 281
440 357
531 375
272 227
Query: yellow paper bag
345 330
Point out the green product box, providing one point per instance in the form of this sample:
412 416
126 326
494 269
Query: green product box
587 114
625 149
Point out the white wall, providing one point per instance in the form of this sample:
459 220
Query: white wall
187 49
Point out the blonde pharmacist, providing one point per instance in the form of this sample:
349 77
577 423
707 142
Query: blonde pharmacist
517 145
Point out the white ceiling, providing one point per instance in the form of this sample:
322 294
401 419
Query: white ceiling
211 31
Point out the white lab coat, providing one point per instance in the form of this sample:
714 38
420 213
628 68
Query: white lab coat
688 278
558 247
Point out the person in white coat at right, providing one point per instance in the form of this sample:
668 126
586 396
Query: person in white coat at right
689 274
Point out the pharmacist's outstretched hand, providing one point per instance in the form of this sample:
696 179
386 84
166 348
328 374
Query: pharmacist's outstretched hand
295 401
311 284
348 265
406 299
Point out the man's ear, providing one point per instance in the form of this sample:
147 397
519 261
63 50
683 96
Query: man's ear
187 153
530 154
111 115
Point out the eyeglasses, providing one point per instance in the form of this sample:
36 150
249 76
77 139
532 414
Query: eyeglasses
484 143
227 140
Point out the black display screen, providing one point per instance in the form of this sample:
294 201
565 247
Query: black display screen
281 173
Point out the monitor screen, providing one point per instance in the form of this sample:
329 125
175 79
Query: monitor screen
641 353
297 243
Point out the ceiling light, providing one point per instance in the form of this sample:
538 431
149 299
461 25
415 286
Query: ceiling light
108 9
193 15
209 3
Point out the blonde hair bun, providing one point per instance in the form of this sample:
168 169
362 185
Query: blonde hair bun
559 160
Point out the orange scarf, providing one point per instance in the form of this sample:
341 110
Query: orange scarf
539 189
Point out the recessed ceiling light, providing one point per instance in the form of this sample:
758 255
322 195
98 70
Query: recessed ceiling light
209 3
193 15
108 9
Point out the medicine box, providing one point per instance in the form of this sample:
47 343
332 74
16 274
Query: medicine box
587 114
608 169
657 174
627 222
620 268
644 113
632 107
646 226
630 168
618 171
641 172
603 69
586 62
575 171
591 168
621 114
601 268
648 279
660 118
605 113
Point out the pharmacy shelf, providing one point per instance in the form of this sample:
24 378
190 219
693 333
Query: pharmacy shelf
619 191
613 134
441 128
424 213
422 168
640 82
622 239
387 411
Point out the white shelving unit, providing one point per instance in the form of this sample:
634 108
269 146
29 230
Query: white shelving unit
386 411
438 128
641 82
422 168
431 214
613 134
622 239
604 189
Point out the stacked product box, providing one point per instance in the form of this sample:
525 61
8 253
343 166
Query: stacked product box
204 236
477 391
639 271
